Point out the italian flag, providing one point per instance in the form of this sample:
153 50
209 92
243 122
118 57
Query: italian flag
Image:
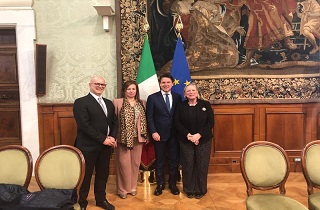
147 78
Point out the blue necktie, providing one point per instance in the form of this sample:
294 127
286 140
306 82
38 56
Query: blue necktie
167 101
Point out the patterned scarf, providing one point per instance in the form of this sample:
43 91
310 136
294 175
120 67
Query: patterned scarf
128 123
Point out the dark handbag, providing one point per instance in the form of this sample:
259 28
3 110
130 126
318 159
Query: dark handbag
10 195
49 199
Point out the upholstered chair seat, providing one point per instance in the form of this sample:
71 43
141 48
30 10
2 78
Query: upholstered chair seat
60 167
272 201
265 166
15 165
310 155
314 201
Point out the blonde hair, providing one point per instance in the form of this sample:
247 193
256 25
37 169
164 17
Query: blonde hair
191 84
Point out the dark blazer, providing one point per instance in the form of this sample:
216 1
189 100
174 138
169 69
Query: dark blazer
93 123
204 123
158 117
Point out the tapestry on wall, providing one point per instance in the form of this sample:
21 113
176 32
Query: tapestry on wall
236 49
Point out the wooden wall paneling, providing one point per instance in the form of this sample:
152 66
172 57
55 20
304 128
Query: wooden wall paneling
289 125
309 124
61 112
46 127
262 124
233 130
223 165
9 96
286 127
10 131
312 122
67 128
10 123
8 70
58 126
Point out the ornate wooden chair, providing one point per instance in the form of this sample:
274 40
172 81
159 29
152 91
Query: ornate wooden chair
15 165
265 166
310 155
60 167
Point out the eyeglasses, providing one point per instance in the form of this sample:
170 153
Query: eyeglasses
99 84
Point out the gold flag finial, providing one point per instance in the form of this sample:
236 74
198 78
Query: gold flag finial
179 26
146 25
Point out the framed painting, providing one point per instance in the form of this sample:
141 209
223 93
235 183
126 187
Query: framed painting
243 50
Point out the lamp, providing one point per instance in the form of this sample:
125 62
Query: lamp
105 12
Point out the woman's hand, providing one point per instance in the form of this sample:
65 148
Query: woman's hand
194 138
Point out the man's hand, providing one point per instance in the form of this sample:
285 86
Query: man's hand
156 136
110 141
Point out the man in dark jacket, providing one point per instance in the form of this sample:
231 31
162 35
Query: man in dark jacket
160 111
96 133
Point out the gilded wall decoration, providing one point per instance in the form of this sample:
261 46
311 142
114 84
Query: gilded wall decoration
132 16
230 54
260 88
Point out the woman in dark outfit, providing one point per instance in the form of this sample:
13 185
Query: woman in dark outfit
194 121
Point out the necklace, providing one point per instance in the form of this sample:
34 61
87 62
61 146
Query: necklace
192 104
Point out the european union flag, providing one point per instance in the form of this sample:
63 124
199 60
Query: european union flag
180 69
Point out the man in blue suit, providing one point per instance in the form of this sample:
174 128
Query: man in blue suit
160 110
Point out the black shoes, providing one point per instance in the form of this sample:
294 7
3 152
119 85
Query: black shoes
158 190
174 190
197 195
106 205
190 195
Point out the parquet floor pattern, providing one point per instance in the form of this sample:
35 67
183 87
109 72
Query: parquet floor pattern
226 191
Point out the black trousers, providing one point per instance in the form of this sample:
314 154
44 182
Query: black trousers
195 165
170 150
98 160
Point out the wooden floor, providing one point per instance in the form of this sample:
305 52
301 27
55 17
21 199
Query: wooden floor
225 191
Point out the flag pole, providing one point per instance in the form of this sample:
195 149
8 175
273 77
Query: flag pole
180 69
146 76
